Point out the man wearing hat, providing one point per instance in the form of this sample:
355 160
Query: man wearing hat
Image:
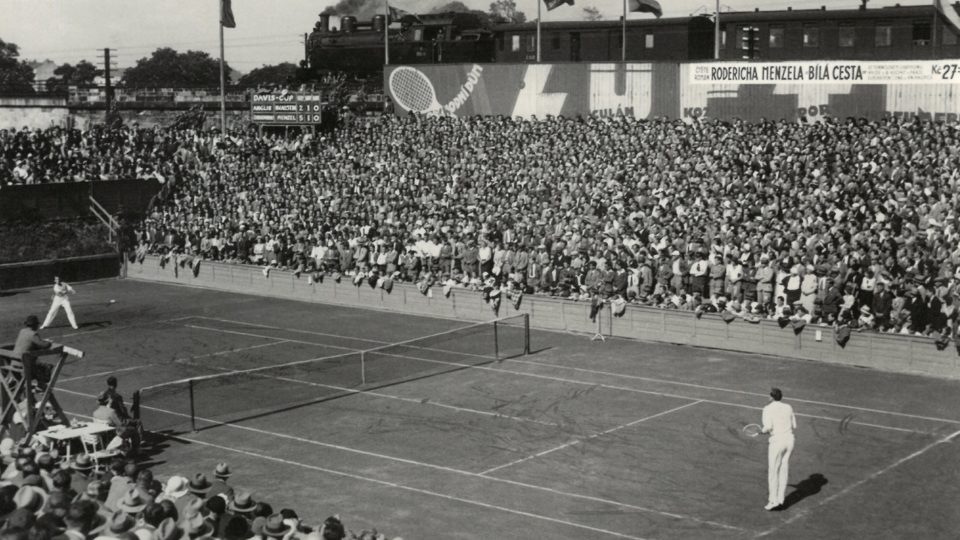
243 506
197 491
219 486
779 421
82 475
119 526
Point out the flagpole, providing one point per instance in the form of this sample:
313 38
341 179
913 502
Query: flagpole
386 35
933 36
716 31
623 40
223 97
539 15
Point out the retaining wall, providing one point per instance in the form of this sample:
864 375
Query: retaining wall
905 354
34 273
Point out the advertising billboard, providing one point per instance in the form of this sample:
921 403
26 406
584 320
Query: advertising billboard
750 91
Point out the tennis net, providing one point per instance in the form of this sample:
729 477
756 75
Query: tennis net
222 396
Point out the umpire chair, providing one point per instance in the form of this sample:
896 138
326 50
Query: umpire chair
23 377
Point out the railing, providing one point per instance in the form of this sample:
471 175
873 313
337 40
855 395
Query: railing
101 214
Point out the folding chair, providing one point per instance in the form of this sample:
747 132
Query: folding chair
93 446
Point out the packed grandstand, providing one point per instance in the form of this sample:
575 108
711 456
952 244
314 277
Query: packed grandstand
849 222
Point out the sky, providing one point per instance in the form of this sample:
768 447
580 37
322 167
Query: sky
267 32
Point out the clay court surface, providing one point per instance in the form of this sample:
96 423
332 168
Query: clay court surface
577 440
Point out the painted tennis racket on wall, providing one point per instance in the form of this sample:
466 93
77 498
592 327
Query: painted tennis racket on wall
413 91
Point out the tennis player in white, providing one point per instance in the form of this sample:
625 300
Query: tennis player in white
779 422
61 299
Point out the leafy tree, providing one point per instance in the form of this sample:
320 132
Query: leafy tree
15 75
459 7
66 75
506 10
455 6
591 13
167 68
285 73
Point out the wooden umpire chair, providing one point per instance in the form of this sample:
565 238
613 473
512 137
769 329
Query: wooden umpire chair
17 374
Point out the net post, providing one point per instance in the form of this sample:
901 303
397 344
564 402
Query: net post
526 334
193 415
363 368
135 405
496 342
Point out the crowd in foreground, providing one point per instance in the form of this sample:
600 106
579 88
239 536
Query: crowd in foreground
44 497
842 222
46 494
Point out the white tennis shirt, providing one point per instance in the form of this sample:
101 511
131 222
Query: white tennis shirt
778 419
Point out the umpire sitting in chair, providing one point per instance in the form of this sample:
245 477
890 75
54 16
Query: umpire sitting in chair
105 412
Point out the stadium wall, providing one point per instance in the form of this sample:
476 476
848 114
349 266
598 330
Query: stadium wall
904 354
750 91
45 112
36 273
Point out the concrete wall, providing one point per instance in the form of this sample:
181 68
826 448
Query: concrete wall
42 113
34 113
890 353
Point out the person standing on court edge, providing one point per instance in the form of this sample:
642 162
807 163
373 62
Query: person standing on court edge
779 421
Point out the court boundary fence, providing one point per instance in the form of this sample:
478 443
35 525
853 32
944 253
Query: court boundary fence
887 352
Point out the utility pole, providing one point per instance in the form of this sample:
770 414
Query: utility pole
107 81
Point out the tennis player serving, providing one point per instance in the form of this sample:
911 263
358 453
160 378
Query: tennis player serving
61 292
779 421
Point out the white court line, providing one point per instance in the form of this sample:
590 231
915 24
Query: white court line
412 489
122 327
732 391
591 437
248 334
397 486
651 392
572 381
462 472
294 330
230 351
102 373
859 483
663 381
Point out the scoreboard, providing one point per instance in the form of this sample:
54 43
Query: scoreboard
286 109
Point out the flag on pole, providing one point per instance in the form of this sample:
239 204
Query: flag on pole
226 15
397 14
554 4
646 6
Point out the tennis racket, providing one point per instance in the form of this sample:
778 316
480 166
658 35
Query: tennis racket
413 91
752 430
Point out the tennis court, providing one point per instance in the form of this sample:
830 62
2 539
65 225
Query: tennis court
454 436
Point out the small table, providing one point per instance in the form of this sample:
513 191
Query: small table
66 434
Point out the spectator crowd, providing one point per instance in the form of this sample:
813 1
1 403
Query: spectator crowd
842 222
44 496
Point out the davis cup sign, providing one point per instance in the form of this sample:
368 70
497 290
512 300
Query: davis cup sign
907 72
286 108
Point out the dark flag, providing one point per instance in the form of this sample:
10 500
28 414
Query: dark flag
554 4
226 15
646 6
398 14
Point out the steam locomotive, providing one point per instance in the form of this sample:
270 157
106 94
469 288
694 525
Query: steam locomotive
888 33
